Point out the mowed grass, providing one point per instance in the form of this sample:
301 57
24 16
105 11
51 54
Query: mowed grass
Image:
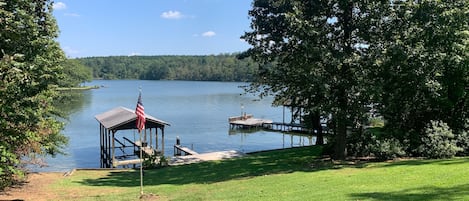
292 174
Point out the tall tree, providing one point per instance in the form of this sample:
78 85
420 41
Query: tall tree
424 74
29 65
317 54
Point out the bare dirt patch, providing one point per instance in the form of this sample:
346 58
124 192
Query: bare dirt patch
149 197
35 187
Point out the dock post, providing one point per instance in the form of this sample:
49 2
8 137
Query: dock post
177 151
113 149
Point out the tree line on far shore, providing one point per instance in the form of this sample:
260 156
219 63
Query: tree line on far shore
223 67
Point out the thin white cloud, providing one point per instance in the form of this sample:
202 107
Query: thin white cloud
72 14
174 15
59 6
134 54
70 51
209 34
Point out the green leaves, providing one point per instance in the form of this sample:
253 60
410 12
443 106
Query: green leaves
28 67
439 141
320 54
425 72
410 58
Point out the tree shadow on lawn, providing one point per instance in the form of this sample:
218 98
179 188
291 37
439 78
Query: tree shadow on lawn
287 161
420 193
415 162
305 159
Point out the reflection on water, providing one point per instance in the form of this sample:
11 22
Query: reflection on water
197 111
288 139
73 101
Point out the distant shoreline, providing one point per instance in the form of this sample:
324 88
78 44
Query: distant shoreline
78 88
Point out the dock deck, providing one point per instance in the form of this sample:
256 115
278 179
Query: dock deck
178 150
191 156
247 121
196 158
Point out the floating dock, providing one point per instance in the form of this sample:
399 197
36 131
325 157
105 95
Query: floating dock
248 121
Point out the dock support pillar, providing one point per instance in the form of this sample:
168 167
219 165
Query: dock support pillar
177 152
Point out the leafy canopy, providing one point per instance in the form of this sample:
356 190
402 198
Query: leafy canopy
29 66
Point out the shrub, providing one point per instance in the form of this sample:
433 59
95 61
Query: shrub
359 143
388 149
462 140
376 122
438 141
372 142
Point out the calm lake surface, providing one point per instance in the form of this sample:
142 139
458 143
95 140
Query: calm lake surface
197 111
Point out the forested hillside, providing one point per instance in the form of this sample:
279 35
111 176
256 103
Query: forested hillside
224 67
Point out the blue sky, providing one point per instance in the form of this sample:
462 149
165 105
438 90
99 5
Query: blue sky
151 27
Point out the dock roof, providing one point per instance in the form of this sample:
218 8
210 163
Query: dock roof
122 118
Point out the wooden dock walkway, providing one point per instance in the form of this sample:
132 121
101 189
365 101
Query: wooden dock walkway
178 150
288 127
196 158
191 156
248 122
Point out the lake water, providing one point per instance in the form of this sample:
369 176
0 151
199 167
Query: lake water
197 111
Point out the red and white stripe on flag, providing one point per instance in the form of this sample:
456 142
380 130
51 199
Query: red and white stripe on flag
139 111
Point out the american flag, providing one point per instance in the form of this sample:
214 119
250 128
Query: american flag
139 111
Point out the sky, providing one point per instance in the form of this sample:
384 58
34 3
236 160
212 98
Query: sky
151 27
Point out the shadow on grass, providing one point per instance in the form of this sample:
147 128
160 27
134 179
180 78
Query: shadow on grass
415 162
304 159
421 193
283 161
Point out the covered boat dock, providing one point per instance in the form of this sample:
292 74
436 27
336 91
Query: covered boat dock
115 152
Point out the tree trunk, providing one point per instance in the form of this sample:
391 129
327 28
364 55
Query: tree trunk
345 78
341 132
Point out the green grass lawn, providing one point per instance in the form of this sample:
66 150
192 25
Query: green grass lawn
292 174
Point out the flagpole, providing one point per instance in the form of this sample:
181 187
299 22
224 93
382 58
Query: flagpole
141 164
141 153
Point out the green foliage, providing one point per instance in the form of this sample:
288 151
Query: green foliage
74 73
154 161
438 141
29 66
373 142
462 140
409 58
424 72
376 122
223 67
149 162
388 148
316 54
360 143
163 161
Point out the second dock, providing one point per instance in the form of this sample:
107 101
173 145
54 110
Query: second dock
248 121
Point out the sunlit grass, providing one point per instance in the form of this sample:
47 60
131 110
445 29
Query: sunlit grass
293 174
